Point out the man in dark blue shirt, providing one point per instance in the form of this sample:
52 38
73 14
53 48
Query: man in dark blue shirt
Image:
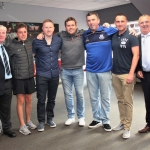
125 58
47 78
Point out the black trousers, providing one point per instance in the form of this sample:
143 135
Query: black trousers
5 106
146 89
46 86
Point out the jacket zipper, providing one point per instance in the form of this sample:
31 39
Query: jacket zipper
28 59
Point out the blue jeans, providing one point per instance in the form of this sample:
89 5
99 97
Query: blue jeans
69 78
99 86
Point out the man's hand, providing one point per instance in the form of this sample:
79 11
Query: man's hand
107 25
133 32
140 74
130 78
40 36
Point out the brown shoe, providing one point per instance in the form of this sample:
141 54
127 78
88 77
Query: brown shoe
145 129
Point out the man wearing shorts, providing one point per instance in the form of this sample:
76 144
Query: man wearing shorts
21 58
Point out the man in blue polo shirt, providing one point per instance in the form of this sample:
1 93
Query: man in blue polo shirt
97 40
47 78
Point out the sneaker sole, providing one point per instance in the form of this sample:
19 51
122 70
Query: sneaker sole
31 128
117 129
92 127
70 123
24 133
81 125
125 137
51 126
40 130
108 130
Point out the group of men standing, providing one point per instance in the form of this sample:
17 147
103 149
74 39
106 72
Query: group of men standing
98 41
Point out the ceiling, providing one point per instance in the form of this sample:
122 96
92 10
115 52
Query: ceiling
85 5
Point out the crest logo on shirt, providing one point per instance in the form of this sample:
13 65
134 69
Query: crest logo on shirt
101 37
123 43
87 40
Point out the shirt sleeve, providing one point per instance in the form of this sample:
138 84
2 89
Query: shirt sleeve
34 48
83 38
58 34
9 51
110 31
60 44
134 41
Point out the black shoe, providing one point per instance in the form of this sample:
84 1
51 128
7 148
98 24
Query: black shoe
94 124
107 127
10 133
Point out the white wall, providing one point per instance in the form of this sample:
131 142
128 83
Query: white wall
28 13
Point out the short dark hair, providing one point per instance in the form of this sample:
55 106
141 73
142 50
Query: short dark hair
92 13
70 19
20 25
48 20
121 14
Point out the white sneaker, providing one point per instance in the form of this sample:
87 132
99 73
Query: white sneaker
24 130
31 125
118 127
69 121
81 122
126 134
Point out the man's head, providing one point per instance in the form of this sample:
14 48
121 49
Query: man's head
93 21
21 30
48 27
121 22
3 31
144 24
71 25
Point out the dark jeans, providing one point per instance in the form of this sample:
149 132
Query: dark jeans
46 86
145 82
5 106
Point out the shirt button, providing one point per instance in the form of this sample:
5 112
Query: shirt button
51 69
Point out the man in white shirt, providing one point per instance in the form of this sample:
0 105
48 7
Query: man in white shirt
143 69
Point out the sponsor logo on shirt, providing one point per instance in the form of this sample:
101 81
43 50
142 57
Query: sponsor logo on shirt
123 43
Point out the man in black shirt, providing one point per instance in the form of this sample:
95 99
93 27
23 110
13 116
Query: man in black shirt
125 58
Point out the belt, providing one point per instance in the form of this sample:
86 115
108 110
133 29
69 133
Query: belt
146 71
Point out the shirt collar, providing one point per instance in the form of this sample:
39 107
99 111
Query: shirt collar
122 33
145 35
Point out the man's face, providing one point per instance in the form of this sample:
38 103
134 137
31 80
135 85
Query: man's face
48 28
71 27
22 34
121 23
93 22
144 23
2 35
